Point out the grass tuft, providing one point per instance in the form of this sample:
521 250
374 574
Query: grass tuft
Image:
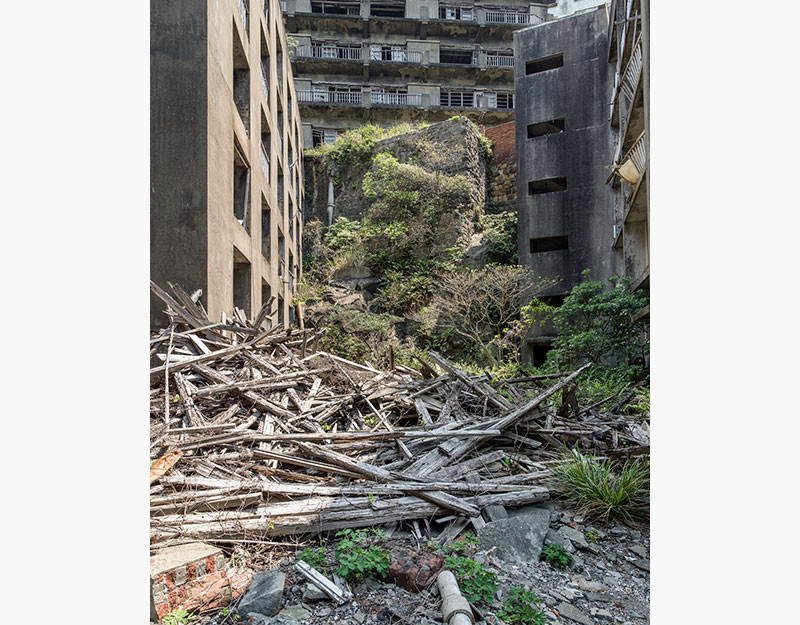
603 489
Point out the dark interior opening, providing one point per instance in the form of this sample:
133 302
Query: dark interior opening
266 228
549 244
266 297
455 57
241 80
241 188
544 64
388 9
554 300
546 128
539 353
547 185
241 282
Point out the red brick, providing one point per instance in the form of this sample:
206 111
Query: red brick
169 579
210 568
191 572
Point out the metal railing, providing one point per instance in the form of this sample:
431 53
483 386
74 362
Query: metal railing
264 161
632 71
330 97
507 17
334 52
396 56
414 56
395 99
498 60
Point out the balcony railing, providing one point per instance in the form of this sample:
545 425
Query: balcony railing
331 97
332 8
395 99
506 17
632 71
395 55
496 60
334 52
264 161
633 164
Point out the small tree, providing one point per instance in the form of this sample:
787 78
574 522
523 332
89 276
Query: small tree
595 324
484 305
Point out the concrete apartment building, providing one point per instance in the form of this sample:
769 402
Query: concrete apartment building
388 61
564 141
629 58
226 167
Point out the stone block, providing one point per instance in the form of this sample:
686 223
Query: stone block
517 539
264 594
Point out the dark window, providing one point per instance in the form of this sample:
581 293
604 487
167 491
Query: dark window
455 57
280 191
241 81
544 64
548 244
241 282
388 9
280 311
547 185
336 8
241 188
266 298
546 128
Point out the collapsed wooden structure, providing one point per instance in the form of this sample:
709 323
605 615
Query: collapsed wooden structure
256 433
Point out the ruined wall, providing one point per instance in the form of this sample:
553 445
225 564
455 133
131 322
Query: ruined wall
457 141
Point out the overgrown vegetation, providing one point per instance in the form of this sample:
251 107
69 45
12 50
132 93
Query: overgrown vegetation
519 608
555 555
475 582
315 558
179 616
604 489
358 555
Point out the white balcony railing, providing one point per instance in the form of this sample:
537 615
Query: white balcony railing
395 99
330 97
497 60
632 71
334 52
507 17
264 161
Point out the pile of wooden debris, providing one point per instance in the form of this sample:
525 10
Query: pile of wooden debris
256 433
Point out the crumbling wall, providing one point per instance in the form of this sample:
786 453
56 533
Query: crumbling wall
502 172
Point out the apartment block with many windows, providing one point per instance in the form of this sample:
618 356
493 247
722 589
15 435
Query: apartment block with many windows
391 61
226 166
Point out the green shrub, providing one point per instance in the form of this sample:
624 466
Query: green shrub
500 229
594 323
555 555
343 233
315 558
519 608
475 582
178 616
603 489
358 558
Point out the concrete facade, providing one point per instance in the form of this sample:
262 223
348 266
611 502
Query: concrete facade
564 141
226 157
568 7
390 61
629 59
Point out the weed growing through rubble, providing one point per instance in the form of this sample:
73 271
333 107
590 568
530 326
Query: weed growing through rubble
178 616
475 582
466 544
358 558
555 555
603 489
315 558
592 536
519 608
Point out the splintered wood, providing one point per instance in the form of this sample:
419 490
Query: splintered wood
255 432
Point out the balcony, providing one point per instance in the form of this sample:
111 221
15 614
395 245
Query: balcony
332 8
395 99
498 60
633 163
508 17
330 97
633 71
329 51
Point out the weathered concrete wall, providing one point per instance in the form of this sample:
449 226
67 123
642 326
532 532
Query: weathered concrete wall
178 193
578 92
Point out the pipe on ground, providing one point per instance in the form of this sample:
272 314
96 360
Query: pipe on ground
455 608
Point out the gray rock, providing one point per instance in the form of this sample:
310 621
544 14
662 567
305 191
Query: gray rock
295 612
636 534
323 612
495 512
591 586
264 594
559 539
575 536
517 539
595 549
312 594
350 273
574 614
576 563
260 619
639 550
359 617
601 612
642 563
618 530
596 596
